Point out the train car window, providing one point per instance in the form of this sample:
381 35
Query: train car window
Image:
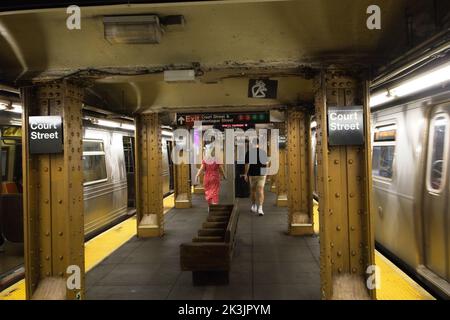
94 162
128 150
90 146
4 163
383 151
437 159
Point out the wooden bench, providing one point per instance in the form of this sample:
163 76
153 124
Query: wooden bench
209 254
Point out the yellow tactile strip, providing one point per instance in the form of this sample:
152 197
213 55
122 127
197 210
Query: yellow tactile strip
395 284
96 249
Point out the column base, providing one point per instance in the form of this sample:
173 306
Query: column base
182 201
301 229
282 200
199 190
301 224
50 288
148 227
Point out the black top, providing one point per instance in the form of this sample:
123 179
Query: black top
257 161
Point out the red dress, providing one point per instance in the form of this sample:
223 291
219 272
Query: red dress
211 182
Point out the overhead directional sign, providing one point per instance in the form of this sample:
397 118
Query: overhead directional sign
345 126
221 118
262 88
45 134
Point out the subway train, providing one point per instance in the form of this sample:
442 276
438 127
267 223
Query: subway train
108 168
411 186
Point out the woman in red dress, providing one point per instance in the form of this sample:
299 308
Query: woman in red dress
211 181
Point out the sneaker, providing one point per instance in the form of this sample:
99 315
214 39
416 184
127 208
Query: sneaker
260 211
254 208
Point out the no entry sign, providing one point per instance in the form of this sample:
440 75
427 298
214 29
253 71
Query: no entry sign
45 134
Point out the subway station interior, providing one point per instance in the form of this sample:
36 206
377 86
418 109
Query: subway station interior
110 112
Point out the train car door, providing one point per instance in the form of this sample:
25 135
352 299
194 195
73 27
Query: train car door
436 196
128 149
169 147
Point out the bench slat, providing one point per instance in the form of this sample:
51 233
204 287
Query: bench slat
203 256
207 239
211 232
214 225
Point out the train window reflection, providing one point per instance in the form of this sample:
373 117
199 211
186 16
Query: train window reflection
383 151
94 162
89 146
437 159
382 161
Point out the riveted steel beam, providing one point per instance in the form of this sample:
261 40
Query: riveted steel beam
281 187
149 191
298 163
344 190
198 188
53 197
182 188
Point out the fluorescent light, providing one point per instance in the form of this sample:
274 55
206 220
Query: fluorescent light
128 126
139 29
113 124
107 123
424 81
381 98
179 75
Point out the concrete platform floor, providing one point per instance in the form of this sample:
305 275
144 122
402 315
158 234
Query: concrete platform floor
267 263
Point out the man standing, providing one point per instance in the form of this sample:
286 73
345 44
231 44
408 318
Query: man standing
255 171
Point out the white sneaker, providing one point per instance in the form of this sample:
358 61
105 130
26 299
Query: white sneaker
260 211
254 208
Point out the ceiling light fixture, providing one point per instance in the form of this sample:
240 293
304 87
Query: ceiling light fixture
179 75
139 29
417 84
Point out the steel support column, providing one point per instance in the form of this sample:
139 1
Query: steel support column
198 188
299 180
149 191
182 188
281 185
344 186
53 197
273 183
272 180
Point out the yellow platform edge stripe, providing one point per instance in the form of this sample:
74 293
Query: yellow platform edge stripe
96 250
395 284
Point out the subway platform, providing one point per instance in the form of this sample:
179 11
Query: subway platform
267 263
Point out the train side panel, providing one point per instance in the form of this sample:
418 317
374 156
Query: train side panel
394 197
105 198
